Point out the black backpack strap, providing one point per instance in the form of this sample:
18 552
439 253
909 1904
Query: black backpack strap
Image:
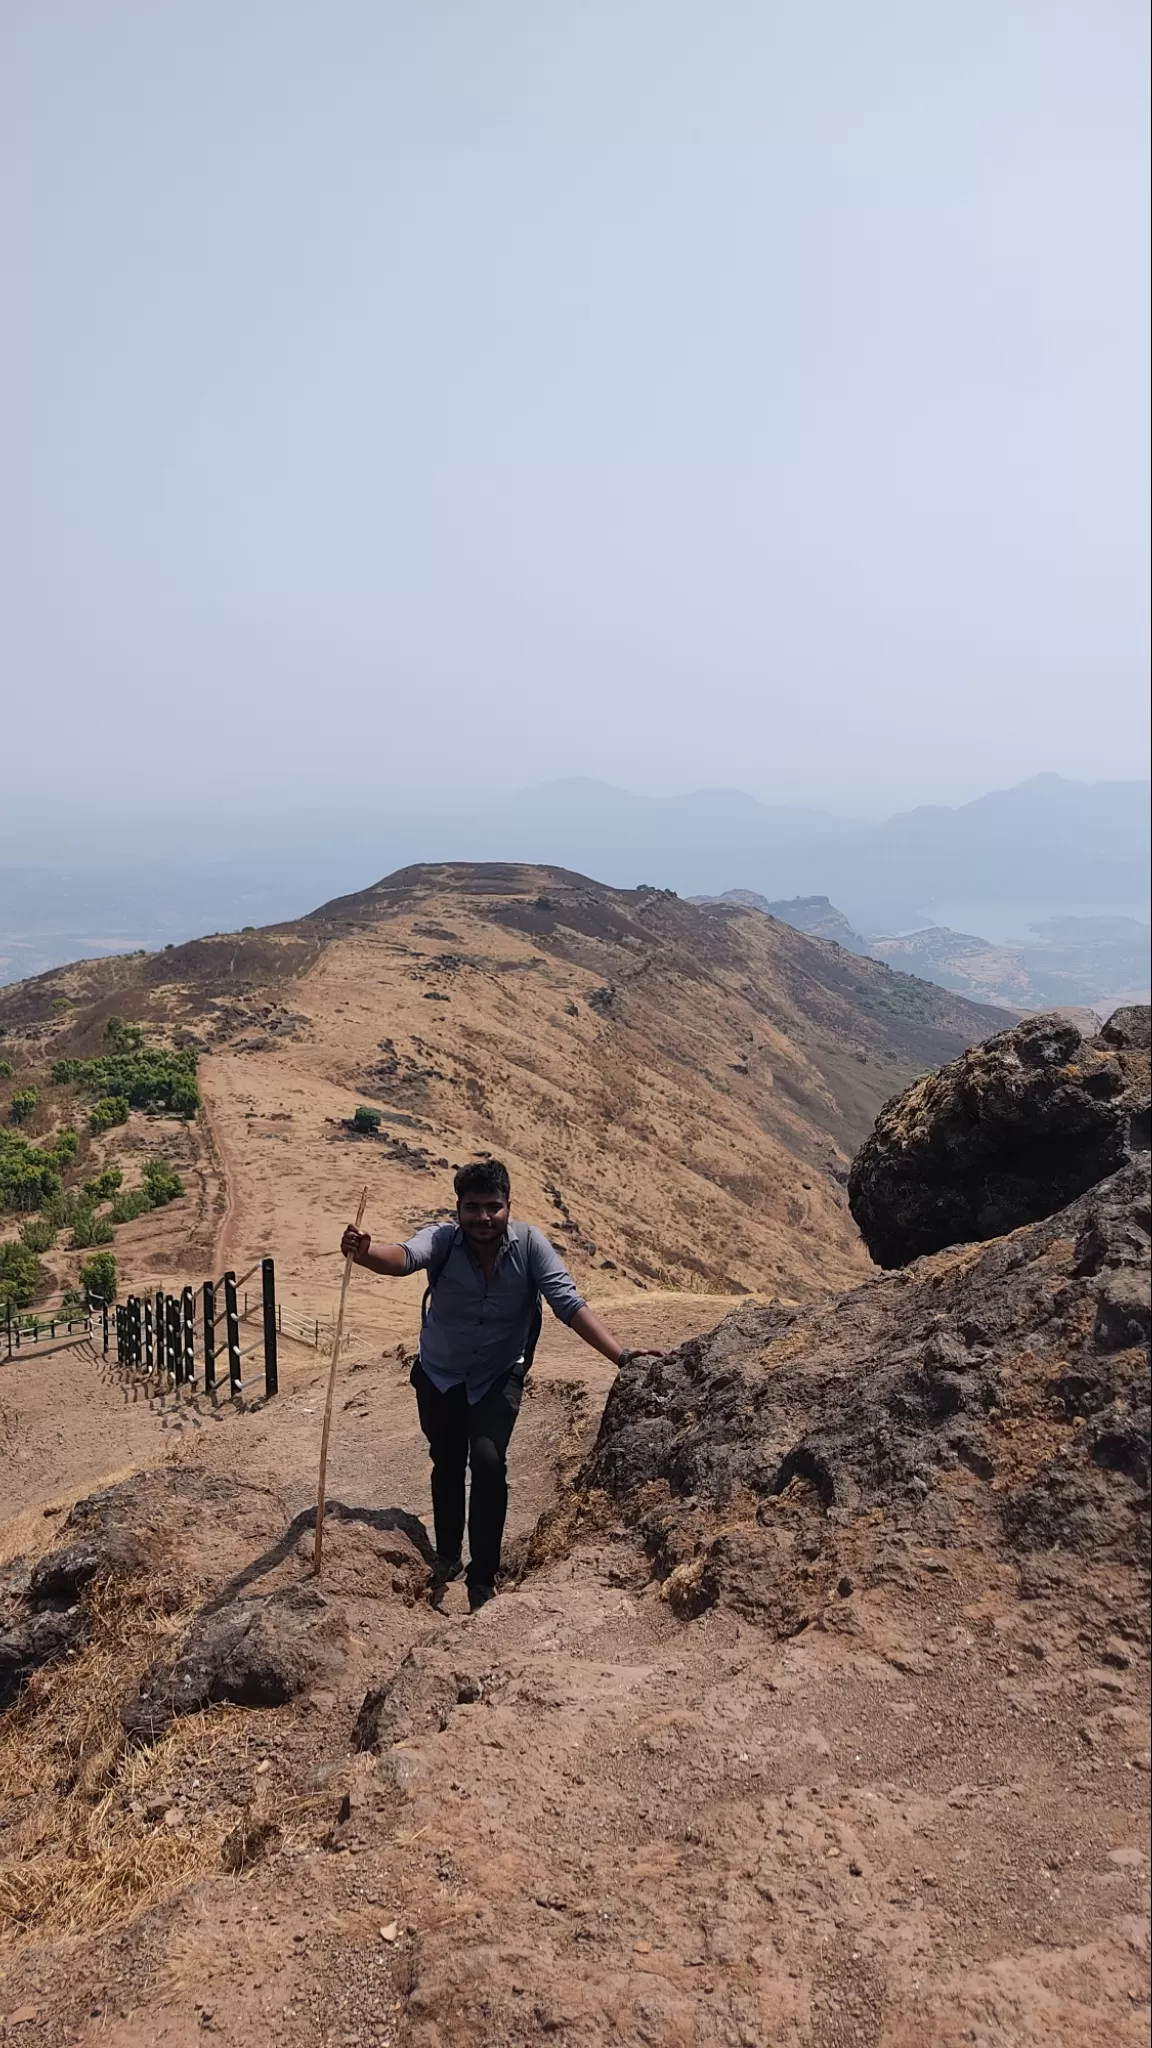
434 1269
522 1234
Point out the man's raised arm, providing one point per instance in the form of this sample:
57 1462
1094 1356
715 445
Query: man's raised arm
391 1259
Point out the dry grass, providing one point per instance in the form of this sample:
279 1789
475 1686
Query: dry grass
22 1534
84 1846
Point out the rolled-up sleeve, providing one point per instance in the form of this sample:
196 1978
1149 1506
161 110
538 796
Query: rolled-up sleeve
551 1275
421 1249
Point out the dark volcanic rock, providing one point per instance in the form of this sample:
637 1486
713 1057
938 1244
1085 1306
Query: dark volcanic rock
1005 1390
419 1698
60 1578
256 1653
34 1640
1129 1029
1011 1132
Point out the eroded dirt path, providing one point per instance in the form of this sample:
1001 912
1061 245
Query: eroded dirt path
916 1824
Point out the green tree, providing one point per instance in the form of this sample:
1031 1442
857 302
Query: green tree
111 1109
22 1104
103 1185
88 1228
28 1175
151 1077
21 1275
123 1037
98 1276
162 1182
366 1119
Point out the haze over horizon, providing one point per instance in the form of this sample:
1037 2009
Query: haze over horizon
434 400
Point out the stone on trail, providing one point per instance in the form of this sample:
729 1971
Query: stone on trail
254 1652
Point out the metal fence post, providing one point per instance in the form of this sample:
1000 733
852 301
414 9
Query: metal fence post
232 1330
188 1337
149 1351
209 1336
172 1334
104 1325
268 1286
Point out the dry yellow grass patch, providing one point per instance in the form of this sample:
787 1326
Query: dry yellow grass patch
87 1848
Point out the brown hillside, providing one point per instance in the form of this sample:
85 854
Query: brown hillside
677 1089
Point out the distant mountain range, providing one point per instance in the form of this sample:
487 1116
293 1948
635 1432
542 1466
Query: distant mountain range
1098 963
1054 847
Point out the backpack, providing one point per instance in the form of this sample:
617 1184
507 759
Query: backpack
519 1233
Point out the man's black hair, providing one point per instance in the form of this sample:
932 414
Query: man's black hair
483 1177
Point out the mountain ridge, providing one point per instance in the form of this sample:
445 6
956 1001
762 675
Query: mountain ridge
679 1089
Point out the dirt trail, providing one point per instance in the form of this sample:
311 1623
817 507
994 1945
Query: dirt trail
228 1167
631 1830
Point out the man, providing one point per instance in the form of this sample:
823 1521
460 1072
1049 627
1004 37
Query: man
486 1277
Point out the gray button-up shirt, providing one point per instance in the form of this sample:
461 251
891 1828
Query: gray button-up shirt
477 1327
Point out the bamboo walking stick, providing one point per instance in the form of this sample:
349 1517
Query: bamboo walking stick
318 1546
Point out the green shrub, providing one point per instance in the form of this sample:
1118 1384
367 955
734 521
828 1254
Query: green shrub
98 1276
123 1037
366 1119
88 1228
111 1109
22 1104
64 1145
162 1182
6 1070
37 1235
61 1208
125 1208
149 1077
104 1184
29 1176
21 1275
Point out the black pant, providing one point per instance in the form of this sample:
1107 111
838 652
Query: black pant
460 1432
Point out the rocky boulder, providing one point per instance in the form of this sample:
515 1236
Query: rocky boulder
44 1611
1009 1133
32 1639
992 1399
254 1652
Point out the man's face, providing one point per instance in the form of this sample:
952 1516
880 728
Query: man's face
483 1218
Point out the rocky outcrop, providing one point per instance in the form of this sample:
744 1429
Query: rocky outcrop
253 1652
418 1699
1007 1134
32 1640
999 1398
44 1615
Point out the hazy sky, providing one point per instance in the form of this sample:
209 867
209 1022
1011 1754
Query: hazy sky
681 394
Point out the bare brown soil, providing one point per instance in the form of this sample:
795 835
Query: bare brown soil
918 1822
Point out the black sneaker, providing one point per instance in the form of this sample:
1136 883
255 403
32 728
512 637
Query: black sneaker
443 1572
479 1596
